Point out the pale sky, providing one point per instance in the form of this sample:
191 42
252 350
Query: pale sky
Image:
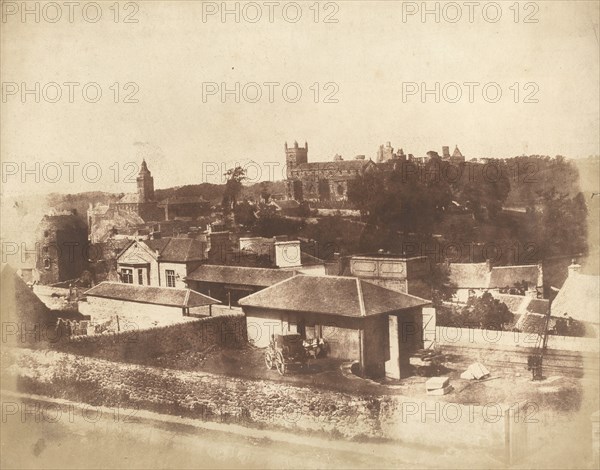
368 54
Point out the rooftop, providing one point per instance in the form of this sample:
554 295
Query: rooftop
480 276
333 295
579 298
508 276
333 165
178 250
150 295
238 275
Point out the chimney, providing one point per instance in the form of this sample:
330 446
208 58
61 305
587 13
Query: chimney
574 267
287 254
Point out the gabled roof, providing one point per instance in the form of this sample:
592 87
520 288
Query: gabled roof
508 276
177 250
579 298
469 275
333 295
478 276
150 295
237 275
456 153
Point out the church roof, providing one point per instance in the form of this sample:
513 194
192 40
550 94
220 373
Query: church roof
336 165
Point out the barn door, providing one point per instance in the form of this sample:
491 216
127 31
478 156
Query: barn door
429 323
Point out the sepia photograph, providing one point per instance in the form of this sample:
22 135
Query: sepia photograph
351 234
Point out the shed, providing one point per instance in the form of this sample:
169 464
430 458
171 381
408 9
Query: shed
359 320
153 300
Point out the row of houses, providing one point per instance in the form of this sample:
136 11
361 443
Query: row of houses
376 304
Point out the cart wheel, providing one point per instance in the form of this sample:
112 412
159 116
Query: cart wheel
269 360
280 364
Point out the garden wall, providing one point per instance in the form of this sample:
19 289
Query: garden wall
258 403
141 345
479 338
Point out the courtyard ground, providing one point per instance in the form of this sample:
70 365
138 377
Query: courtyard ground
505 385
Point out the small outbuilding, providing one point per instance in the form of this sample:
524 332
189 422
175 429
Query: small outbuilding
119 298
358 320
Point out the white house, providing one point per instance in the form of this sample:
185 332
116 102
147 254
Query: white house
164 262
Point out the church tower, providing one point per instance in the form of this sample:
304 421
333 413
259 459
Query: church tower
145 184
295 156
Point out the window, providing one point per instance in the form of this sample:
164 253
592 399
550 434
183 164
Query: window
127 276
170 274
47 263
46 233
45 250
140 277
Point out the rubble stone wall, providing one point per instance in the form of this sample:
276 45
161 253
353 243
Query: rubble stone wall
254 403
138 345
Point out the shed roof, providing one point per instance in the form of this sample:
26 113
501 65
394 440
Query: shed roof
334 295
150 295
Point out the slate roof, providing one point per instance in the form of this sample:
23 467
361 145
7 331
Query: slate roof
522 304
333 295
515 303
508 276
579 298
150 295
238 275
178 250
534 323
469 275
478 276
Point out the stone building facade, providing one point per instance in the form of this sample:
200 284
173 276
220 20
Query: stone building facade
329 181
142 202
62 247
320 181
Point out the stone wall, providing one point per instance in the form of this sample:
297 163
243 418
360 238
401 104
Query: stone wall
254 403
140 345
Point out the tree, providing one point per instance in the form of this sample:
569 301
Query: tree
442 289
244 214
485 312
270 224
233 187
